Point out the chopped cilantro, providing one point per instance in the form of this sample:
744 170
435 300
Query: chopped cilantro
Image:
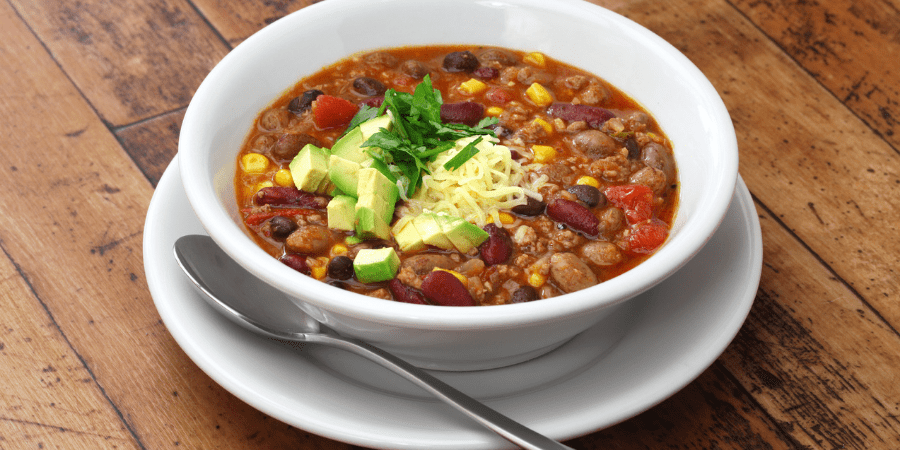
418 135
365 113
464 155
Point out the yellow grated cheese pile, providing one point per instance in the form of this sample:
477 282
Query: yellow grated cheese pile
478 190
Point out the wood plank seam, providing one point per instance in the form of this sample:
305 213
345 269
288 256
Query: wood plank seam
65 338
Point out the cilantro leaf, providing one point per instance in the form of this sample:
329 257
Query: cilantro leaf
365 113
464 155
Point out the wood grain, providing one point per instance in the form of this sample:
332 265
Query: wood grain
236 21
152 143
131 60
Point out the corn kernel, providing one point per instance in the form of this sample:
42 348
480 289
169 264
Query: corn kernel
539 94
494 111
283 178
318 272
263 184
537 280
506 218
472 86
536 59
543 124
339 249
462 279
543 153
590 181
254 163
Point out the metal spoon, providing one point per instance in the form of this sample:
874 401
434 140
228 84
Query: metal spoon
234 292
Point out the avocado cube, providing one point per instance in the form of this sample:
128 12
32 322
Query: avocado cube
431 232
372 265
309 168
342 213
464 235
344 174
377 191
349 146
374 125
406 235
369 224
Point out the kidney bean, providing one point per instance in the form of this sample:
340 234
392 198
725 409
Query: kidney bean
498 247
575 215
498 96
444 289
595 116
369 86
464 61
289 196
340 267
533 208
406 294
296 262
524 294
468 113
302 103
486 73
588 195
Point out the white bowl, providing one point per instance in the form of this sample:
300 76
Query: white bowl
627 55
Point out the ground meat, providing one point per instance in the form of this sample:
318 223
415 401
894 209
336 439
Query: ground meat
565 240
575 82
414 69
408 277
570 273
476 290
556 172
614 168
381 293
594 94
274 119
381 59
531 132
602 253
637 121
424 263
611 220
527 241
308 239
528 75
497 56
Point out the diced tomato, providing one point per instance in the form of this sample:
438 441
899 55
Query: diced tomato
331 112
635 199
646 237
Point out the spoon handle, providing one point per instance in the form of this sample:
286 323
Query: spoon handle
486 416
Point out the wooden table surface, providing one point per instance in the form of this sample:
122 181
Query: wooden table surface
92 94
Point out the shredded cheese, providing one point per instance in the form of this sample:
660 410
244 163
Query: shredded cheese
478 190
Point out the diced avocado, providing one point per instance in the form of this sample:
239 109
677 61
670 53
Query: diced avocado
348 147
374 125
344 174
406 235
342 213
369 224
464 235
309 168
353 240
376 191
373 265
431 232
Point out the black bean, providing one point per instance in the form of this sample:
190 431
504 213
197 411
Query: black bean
634 149
534 207
340 268
464 61
281 227
299 105
369 87
588 195
524 294
501 131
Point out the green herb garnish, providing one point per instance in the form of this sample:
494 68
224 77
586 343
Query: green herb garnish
418 135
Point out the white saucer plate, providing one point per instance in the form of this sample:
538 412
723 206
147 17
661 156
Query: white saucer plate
643 354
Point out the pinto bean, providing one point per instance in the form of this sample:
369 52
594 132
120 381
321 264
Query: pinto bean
658 157
524 294
611 220
595 144
308 239
653 178
289 144
464 61
424 263
415 69
497 56
602 253
571 273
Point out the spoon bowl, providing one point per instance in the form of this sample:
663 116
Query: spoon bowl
262 309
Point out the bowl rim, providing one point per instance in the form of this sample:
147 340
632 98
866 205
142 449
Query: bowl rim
677 251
